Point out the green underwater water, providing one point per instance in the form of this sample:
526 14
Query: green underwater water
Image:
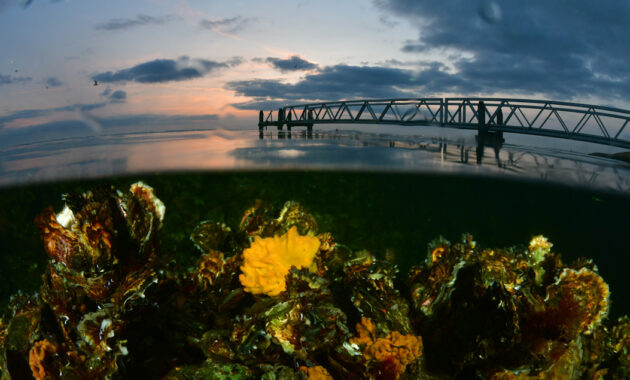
381 212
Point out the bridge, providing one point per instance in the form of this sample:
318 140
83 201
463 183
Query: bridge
490 116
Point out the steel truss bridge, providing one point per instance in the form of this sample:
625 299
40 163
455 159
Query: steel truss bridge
583 122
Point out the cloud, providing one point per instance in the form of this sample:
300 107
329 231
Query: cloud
8 79
127 23
27 3
564 49
293 63
231 25
38 112
387 21
330 83
87 126
80 107
24 3
490 11
125 120
53 82
164 70
261 103
118 96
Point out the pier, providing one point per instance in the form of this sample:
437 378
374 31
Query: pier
491 117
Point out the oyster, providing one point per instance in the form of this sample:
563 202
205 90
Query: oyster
515 308
102 248
371 284
262 220
211 236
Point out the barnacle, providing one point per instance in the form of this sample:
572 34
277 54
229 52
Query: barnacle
268 260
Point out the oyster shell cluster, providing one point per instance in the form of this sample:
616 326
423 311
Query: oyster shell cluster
273 298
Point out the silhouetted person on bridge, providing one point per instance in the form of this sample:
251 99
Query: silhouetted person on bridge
481 113
499 116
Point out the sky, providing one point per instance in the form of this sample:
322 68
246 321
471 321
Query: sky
94 65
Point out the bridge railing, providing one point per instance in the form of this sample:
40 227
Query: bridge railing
565 117
584 122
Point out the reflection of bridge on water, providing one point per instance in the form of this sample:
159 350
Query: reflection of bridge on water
535 163
491 117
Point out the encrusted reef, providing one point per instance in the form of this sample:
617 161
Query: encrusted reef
274 298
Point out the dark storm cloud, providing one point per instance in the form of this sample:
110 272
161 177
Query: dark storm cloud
53 82
231 25
118 96
164 70
330 83
127 23
559 48
8 79
293 63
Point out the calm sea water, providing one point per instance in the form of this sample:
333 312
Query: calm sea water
374 192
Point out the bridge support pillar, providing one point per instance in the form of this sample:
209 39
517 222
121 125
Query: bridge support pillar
280 119
289 118
309 125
